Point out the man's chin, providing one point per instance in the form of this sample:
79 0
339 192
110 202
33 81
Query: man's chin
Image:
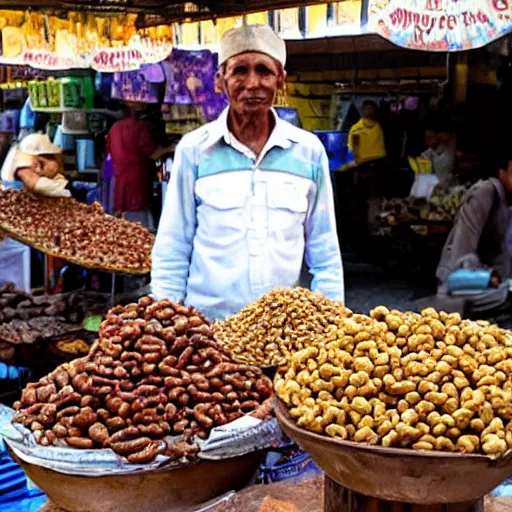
256 108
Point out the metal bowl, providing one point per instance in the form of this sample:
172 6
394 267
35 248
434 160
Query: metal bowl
399 474
179 490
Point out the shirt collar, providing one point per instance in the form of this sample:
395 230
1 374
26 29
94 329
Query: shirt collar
281 134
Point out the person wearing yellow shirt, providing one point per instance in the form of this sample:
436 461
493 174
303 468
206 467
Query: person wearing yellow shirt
366 141
366 138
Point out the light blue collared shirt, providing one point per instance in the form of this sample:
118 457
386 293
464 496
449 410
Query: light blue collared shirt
236 225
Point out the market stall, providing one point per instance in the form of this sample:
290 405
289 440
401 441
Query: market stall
165 411
394 407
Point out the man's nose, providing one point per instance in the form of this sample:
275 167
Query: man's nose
253 80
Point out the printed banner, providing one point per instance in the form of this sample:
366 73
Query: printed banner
440 25
80 40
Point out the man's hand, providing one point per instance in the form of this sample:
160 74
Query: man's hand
495 280
28 176
41 184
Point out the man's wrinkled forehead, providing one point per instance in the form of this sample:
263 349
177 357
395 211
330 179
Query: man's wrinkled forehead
253 59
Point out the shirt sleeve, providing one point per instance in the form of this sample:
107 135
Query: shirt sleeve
350 142
468 229
174 240
323 256
146 143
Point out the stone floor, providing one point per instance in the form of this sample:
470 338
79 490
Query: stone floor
368 286
305 496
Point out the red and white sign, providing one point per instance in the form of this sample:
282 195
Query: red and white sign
441 25
111 60
108 60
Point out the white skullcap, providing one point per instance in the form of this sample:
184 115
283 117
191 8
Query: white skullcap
38 144
23 154
252 38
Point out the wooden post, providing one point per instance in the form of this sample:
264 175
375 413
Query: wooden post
340 499
460 78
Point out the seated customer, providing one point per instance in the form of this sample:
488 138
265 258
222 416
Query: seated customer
475 264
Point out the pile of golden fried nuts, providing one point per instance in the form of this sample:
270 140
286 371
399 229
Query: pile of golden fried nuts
429 381
268 331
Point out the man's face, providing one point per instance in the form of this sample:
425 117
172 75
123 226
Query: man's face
369 112
251 81
47 165
506 177
432 140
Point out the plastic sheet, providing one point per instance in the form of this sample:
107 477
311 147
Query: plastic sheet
15 264
244 437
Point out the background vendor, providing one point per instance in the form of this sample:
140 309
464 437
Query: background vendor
366 137
36 162
441 152
475 264
134 151
250 195
373 177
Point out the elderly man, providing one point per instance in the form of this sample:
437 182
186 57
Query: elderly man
250 196
35 162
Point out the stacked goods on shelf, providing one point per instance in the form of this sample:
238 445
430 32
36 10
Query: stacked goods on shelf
154 381
77 232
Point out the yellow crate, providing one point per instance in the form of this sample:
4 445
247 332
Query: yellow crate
316 123
310 107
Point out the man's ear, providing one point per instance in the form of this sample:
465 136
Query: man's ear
281 81
219 82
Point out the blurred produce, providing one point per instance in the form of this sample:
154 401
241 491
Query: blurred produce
443 205
25 318
75 347
76 232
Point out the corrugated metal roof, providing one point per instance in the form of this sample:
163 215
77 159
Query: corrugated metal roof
164 10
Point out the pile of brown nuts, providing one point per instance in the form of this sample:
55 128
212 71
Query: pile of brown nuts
154 374
76 231
431 382
269 330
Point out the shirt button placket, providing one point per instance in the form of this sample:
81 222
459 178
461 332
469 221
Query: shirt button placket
257 233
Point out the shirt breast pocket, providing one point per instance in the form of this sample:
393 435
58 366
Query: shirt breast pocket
222 210
288 206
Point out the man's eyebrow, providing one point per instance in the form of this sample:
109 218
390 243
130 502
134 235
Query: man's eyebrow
263 65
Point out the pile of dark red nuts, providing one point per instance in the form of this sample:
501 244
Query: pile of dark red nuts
153 381
76 231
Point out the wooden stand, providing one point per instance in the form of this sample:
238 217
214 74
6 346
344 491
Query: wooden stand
340 499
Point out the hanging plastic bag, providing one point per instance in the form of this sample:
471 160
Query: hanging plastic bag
424 185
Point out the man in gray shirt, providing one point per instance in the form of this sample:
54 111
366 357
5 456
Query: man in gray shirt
480 240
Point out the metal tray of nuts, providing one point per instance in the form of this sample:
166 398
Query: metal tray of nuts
400 474
76 261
